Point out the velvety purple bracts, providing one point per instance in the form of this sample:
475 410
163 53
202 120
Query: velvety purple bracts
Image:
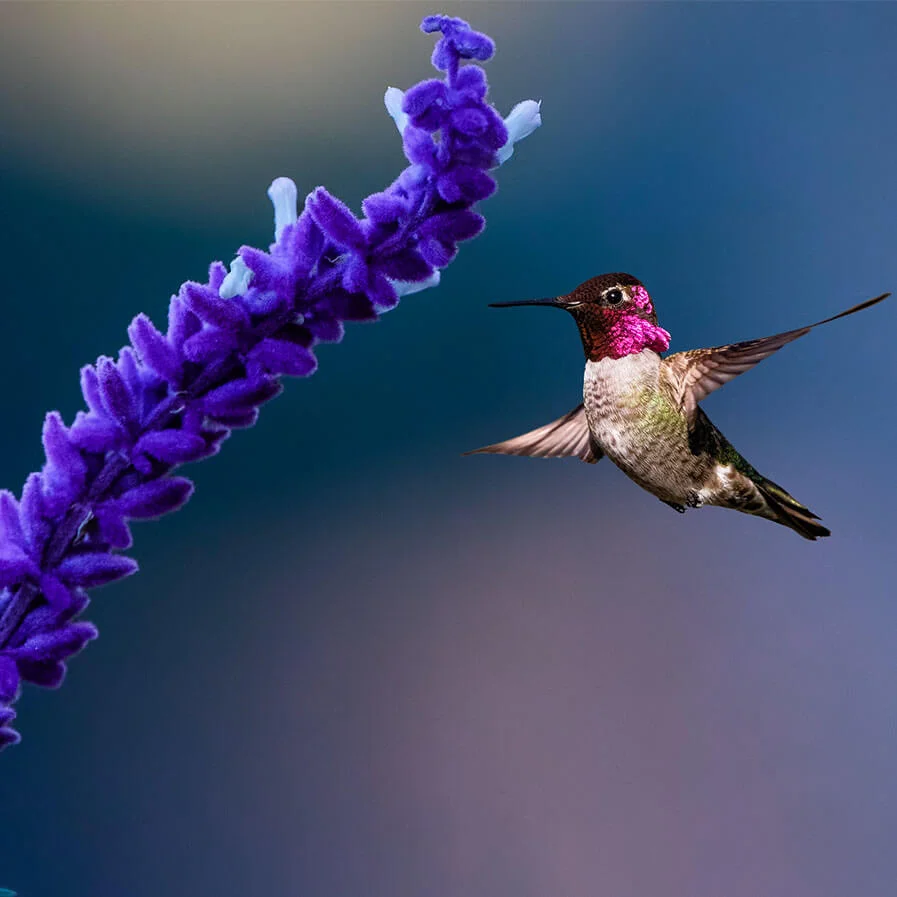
172 397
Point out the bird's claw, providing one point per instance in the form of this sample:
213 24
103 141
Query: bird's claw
676 507
692 501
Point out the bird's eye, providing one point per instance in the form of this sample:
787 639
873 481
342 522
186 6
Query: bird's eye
614 297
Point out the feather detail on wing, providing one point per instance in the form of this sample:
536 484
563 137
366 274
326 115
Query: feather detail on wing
566 437
699 372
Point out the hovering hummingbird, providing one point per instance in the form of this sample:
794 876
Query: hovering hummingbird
642 410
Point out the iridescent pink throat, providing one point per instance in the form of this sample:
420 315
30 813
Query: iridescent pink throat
627 332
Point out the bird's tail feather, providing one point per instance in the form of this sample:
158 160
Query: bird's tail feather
788 511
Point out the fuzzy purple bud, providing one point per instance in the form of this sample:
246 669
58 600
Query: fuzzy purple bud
172 446
155 498
117 401
58 645
64 472
240 395
207 305
284 357
154 349
94 568
335 219
9 680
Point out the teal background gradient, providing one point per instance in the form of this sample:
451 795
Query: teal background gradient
359 664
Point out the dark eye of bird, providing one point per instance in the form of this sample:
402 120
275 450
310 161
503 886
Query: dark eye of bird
614 297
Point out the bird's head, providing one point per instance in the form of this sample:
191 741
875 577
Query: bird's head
614 313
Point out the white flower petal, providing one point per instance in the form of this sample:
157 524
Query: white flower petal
283 195
393 99
523 119
407 287
236 282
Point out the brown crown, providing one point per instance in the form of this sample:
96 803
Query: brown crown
592 289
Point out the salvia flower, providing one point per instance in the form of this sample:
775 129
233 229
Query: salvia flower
175 394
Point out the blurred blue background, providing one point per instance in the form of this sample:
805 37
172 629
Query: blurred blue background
360 664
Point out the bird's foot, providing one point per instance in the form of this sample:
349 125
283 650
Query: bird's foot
693 500
675 507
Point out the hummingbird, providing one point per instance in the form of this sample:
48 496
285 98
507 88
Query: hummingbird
642 409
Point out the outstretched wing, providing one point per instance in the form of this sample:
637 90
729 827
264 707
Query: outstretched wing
566 437
698 372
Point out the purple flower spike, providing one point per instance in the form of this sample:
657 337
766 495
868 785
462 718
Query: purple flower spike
173 397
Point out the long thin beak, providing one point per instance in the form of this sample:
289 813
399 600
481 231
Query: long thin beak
551 303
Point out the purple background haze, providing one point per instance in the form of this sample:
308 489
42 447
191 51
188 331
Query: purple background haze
359 664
